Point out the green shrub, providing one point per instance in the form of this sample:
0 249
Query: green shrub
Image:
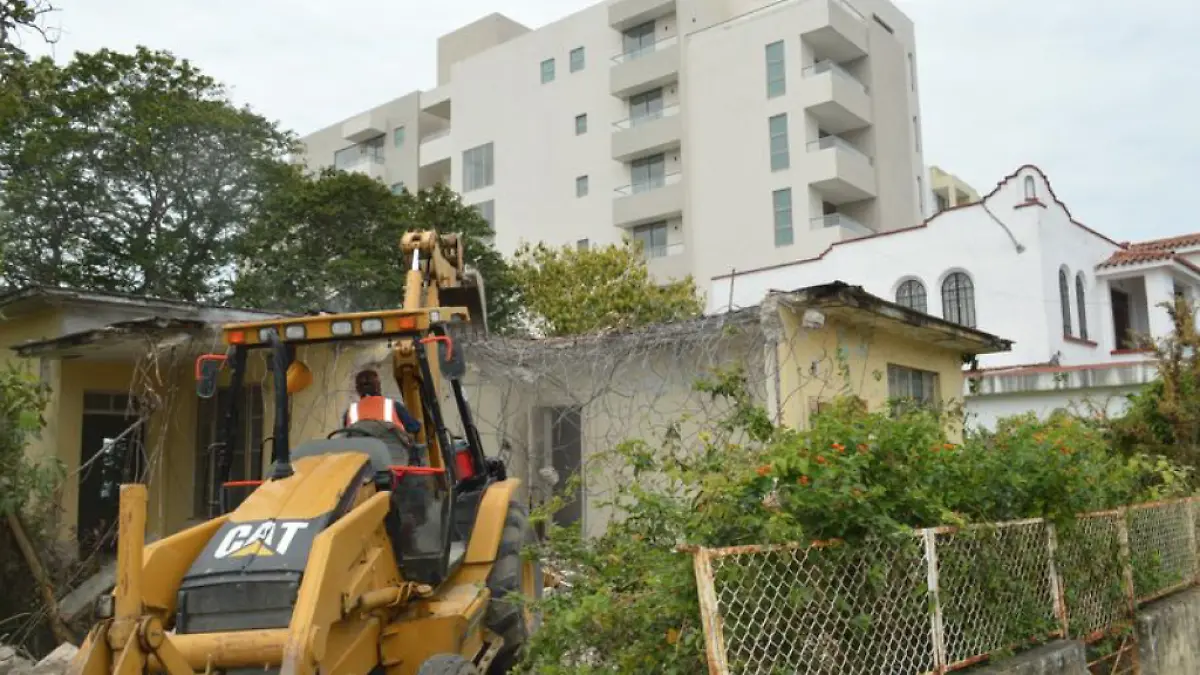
632 605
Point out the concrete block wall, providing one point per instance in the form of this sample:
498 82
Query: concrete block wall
1168 634
1062 657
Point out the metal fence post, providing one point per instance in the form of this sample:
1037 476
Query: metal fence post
1191 535
1058 587
937 633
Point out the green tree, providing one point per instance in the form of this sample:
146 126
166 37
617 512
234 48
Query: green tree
130 172
332 241
568 291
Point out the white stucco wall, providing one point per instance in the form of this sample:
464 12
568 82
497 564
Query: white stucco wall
985 412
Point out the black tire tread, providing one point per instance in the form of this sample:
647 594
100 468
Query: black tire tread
447 664
505 617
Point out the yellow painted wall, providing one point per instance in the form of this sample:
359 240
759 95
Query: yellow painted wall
36 326
810 369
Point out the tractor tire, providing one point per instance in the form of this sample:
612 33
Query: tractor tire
507 618
447 664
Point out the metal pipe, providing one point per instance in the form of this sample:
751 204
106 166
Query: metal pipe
281 463
245 649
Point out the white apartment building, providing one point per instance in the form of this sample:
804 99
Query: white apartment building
1018 264
725 134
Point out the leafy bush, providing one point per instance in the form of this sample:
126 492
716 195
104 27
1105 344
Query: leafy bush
632 603
22 399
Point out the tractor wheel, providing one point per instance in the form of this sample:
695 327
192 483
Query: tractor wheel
447 664
511 574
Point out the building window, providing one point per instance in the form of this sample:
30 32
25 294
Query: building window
1030 189
370 150
921 194
1080 300
1122 319
958 299
648 173
917 132
779 142
1064 299
911 384
653 238
776 70
577 59
581 186
781 201
582 245
547 71
398 137
911 294
639 40
398 188
647 106
581 124
488 211
912 72
478 167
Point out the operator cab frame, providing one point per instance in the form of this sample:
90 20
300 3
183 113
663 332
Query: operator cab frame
429 533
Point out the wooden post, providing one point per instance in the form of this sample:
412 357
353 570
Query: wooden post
45 586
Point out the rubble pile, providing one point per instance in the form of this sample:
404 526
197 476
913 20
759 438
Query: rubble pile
55 663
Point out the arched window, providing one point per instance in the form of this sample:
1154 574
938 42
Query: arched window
1079 300
1030 189
958 299
911 294
1064 299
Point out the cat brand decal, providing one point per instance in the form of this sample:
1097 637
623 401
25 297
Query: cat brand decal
266 539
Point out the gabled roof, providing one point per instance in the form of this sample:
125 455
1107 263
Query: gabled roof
1002 182
1154 251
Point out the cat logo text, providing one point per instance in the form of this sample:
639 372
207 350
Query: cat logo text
264 539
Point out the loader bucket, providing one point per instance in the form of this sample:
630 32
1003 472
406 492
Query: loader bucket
471 295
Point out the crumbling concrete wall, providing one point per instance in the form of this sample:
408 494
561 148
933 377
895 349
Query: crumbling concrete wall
1168 634
1061 657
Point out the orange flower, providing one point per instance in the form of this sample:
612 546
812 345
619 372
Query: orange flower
820 459
839 447
803 480
764 469
862 448
948 446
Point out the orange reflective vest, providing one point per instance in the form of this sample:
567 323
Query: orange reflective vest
374 408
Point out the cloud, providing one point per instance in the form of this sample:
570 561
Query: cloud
1102 95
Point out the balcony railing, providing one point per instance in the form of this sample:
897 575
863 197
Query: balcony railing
638 52
822 67
664 251
630 122
652 184
838 142
841 220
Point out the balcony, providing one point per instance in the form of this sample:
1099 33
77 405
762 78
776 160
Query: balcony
368 165
668 263
633 138
645 68
840 171
364 127
436 147
625 14
647 202
835 29
837 99
850 227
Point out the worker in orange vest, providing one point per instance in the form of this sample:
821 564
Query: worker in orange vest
373 405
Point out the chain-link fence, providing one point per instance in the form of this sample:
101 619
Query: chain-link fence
943 599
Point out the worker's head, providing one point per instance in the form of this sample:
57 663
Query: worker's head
366 383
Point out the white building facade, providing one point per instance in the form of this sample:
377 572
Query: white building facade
1016 264
724 134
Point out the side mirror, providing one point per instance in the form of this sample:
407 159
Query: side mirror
208 367
452 360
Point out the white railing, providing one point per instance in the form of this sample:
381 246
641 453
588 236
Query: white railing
643 50
827 66
944 598
650 185
840 143
841 220
665 251
630 122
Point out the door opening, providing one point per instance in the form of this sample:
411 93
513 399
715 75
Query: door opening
111 454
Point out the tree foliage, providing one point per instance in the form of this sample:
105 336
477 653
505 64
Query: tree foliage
1164 417
568 291
22 399
632 605
129 172
332 241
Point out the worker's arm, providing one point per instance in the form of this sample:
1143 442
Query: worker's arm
411 425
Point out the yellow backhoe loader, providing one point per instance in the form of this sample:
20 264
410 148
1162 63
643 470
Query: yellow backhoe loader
357 555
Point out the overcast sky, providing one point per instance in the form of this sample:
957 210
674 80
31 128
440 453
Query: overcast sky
1104 95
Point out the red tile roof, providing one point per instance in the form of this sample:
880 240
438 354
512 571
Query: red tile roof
1154 250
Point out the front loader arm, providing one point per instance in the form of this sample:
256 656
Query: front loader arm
319 602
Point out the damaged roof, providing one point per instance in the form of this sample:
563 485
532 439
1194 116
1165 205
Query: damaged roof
119 340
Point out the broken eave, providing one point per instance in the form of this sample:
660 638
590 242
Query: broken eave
852 304
122 341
